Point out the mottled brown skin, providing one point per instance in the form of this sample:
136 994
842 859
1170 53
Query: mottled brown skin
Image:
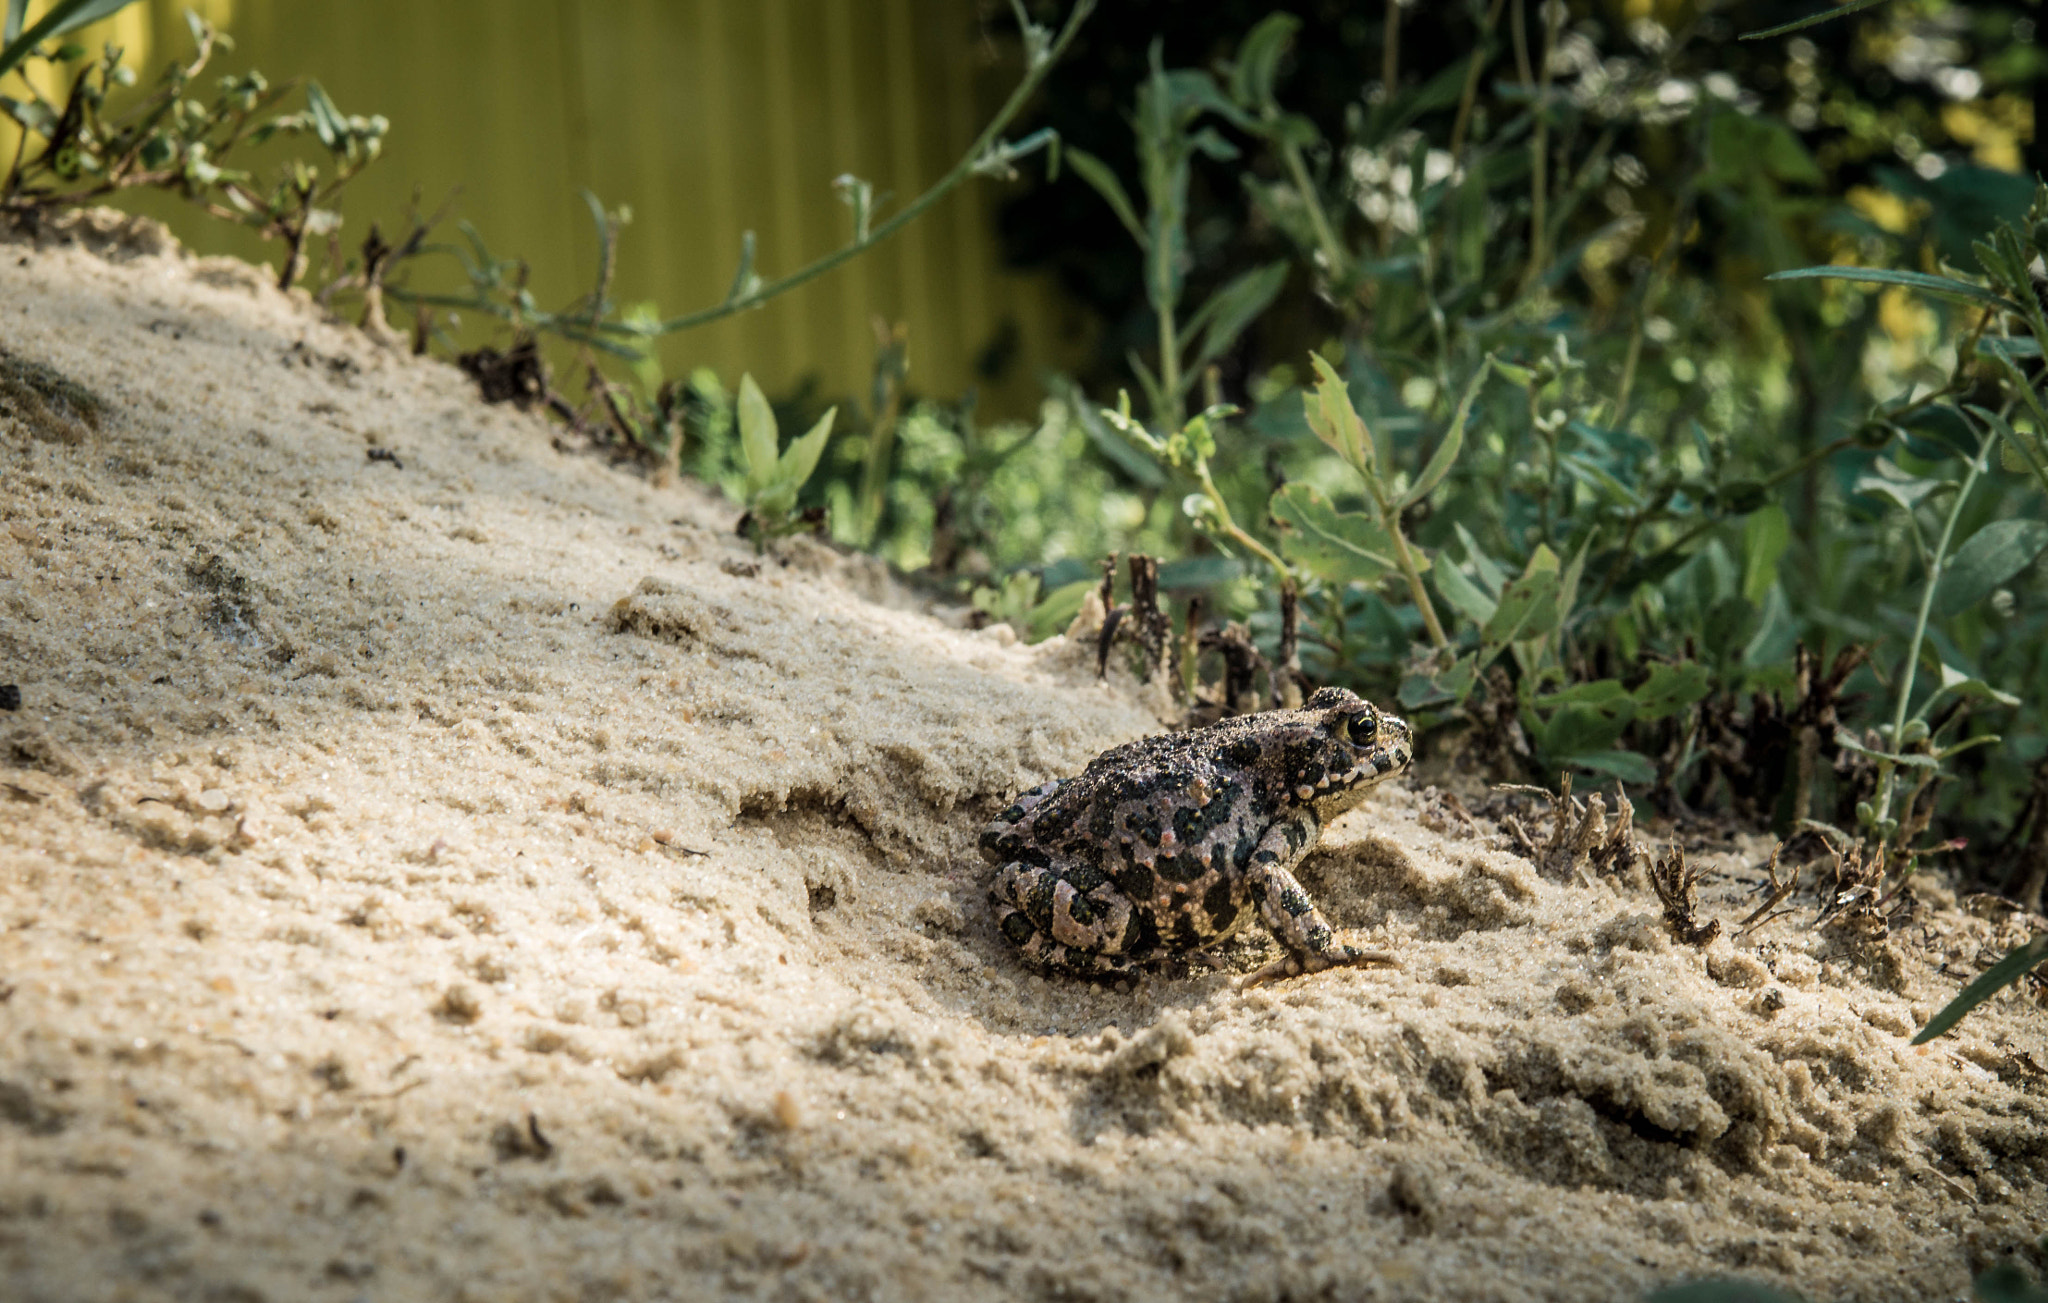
1165 846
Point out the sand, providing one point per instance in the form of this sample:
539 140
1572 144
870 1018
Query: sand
477 875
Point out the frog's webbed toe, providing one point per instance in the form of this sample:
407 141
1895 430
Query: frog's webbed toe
1298 963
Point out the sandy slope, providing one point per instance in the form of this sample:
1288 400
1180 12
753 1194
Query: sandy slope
479 879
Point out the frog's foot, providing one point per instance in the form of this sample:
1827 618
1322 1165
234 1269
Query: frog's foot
1059 930
1301 930
1336 956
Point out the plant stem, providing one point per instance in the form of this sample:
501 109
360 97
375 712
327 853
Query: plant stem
1539 145
1174 414
1230 526
1390 50
1326 237
1470 96
1033 77
1887 770
1390 520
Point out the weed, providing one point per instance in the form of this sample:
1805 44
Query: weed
78 152
775 475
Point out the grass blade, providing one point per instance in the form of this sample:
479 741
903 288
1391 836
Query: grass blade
1940 286
1812 20
2021 961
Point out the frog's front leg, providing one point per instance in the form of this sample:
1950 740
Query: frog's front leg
1289 914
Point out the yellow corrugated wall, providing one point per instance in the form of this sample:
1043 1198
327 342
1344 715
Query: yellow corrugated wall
707 118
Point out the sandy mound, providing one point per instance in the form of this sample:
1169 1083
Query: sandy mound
474 875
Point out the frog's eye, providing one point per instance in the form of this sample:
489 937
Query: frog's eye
1358 728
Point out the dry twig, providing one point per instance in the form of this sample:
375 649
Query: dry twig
1677 884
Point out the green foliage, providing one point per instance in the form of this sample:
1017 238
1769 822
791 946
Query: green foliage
1173 124
774 475
1592 494
87 152
1018 602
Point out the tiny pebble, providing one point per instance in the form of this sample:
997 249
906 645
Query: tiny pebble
788 1114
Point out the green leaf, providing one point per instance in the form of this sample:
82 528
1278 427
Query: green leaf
1764 537
2020 347
1580 730
1941 287
1969 685
744 279
759 438
1232 308
801 457
1986 560
1336 422
1776 632
1462 593
1628 766
1568 583
1335 546
1141 468
1453 684
1484 568
1098 174
64 16
1741 147
1600 694
1811 20
1532 596
1848 743
1058 609
1671 688
328 123
1253 73
1887 480
1543 585
2017 964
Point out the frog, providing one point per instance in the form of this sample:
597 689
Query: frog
1165 847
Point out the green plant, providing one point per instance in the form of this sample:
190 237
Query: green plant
775 475
168 141
1961 573
1170 133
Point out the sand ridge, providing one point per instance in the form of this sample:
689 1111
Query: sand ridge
478 875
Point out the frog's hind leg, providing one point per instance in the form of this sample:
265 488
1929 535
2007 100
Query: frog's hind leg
1034 908
1290 915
